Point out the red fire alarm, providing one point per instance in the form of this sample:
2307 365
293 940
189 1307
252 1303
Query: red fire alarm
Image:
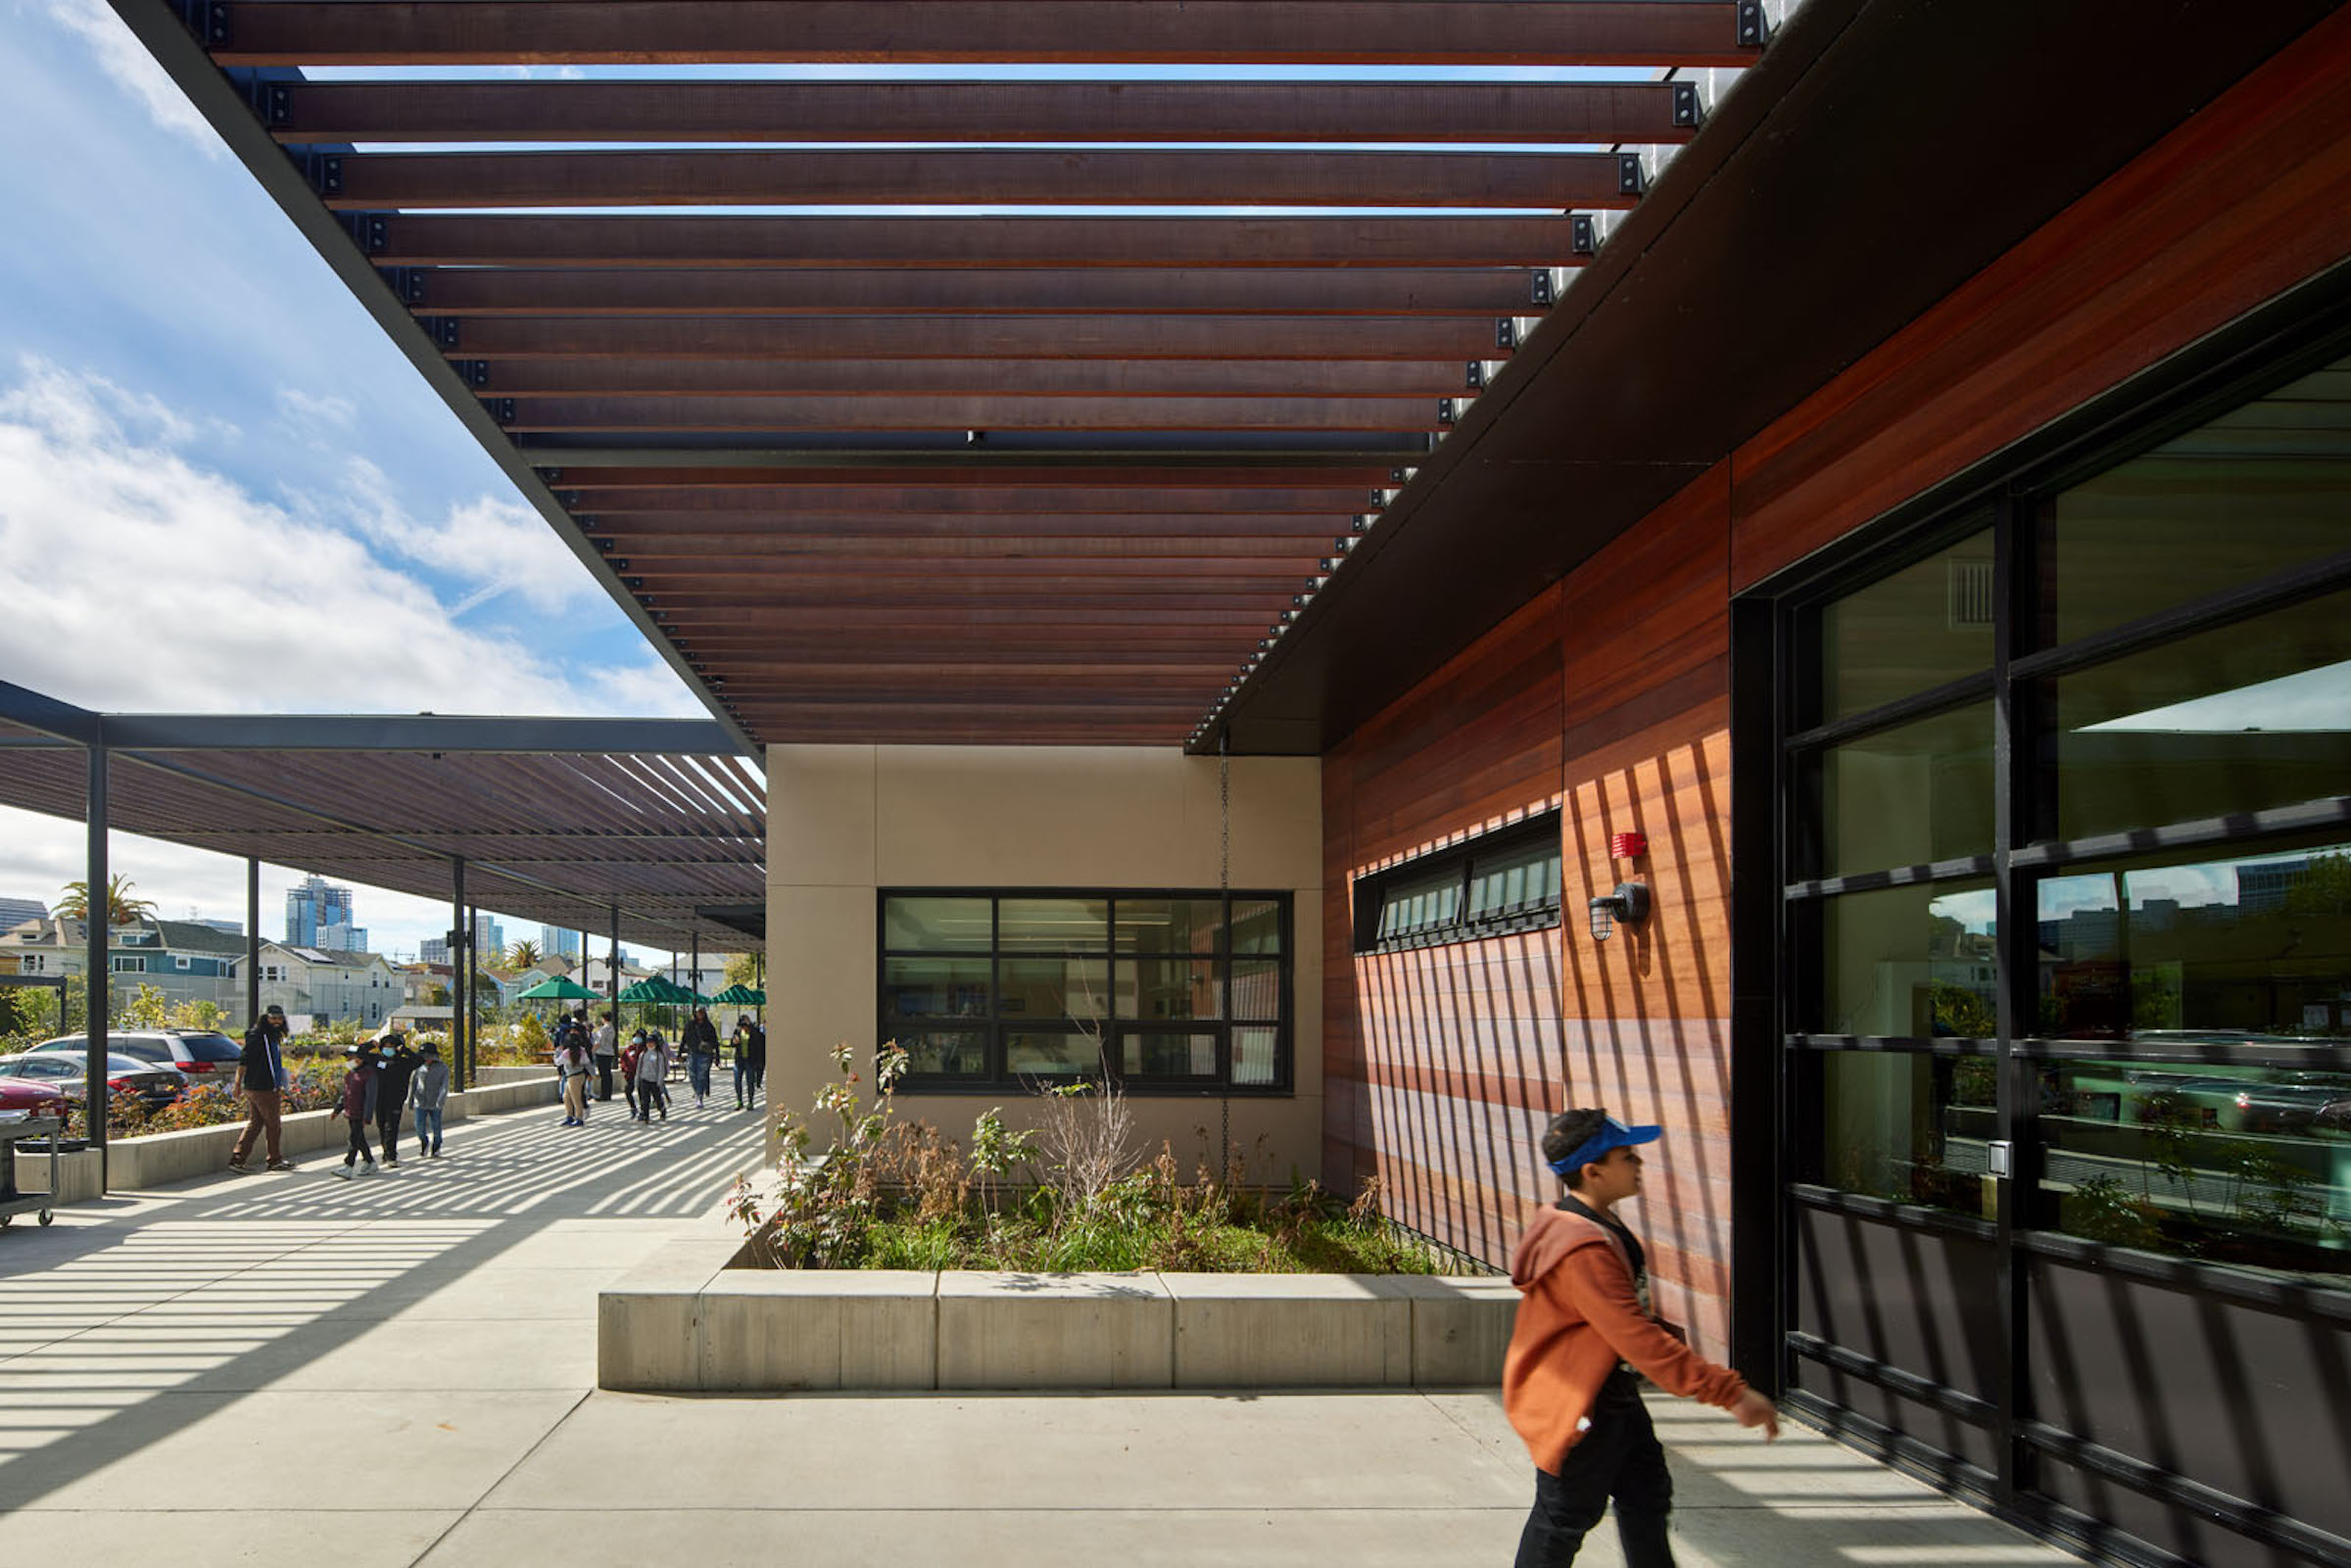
1628 847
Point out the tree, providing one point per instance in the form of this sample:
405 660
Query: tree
523 955
121 908
748 968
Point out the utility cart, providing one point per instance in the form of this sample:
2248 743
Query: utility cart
12 1202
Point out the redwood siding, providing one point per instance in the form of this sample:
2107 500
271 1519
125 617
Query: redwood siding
1609 695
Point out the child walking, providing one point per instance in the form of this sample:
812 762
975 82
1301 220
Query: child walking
428 1093
1583 1330
573 1065
358 1109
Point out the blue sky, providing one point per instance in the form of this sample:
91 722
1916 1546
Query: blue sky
221 488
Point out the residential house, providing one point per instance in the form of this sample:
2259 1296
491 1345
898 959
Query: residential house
311 982
185 960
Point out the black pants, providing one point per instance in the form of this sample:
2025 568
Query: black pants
359 1143
603 1077
1620 1459
387 1133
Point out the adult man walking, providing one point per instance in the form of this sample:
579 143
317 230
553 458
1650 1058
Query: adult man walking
262 1075
607 1052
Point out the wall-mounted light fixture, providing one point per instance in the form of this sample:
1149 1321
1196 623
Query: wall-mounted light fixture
1629 904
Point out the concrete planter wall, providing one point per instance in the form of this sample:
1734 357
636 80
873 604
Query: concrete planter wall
77 1175
687 1322
137 1163
499 1078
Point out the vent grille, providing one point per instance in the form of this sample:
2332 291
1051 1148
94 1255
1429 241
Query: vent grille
1968 594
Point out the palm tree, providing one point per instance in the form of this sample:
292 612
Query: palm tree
121 908
523 955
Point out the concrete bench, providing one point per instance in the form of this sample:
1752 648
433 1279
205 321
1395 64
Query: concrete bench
687 1321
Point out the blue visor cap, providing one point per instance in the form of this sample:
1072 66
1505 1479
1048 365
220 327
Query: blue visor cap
1612 1134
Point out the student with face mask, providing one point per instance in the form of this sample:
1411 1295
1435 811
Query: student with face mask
359 1109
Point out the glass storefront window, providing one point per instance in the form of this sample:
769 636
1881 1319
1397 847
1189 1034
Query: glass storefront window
1916 792
2246 1165
1910 962
935 987
2235 949
1913 1128
938 925
2244 717
1025 985
1920 627
2257 491
1053 924
1170 924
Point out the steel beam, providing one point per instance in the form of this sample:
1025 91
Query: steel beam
369 182
418 732
97 968
990 112
464 293
37 711
980 243
253 944
639 32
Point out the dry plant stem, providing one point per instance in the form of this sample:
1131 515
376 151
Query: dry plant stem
1086 1134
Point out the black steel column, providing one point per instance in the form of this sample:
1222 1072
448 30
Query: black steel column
613 978
473 962
460 936
253 942
98 982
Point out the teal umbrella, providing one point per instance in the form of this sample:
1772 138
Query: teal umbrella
562 988
740 995
661 992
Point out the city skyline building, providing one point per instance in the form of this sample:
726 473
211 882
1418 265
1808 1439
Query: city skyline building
319 915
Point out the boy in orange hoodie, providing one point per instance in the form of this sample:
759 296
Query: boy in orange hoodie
1583 1330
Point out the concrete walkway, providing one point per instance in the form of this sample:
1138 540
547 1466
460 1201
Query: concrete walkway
402 1370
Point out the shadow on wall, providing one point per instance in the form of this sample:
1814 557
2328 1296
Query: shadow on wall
1646 1030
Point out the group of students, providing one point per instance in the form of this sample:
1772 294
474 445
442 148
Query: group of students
643 1065
384 1078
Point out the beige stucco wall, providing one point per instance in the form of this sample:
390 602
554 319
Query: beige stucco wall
846 821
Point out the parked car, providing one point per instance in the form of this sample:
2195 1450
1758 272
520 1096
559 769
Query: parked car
205 1056
154 1086
21 1096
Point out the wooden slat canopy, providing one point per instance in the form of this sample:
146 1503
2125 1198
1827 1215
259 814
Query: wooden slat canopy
1024 407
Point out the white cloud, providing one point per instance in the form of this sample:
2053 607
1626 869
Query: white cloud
499 546
147 580
125 60
314 413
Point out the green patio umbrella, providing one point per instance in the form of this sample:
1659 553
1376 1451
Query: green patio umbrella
562 988
740 995
661 992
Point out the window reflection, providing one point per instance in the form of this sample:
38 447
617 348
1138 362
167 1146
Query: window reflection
2253 948
1913 1128
1917 792
1918 629
1910 962
2246 1165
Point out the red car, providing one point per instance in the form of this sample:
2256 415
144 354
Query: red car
32 1098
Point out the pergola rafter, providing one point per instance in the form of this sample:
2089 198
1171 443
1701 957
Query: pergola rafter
1022 406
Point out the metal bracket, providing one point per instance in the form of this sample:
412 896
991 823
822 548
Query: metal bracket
1685 103
325 171
619 563
500 410
475 373
1475 376
407 284
1379 498
442 329
1755 30
1444 410
604 544
273 102
1505 333
1628 174
208 19
1537 287
371 231
1583 238
1397 476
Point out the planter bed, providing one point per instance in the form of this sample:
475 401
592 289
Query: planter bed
136 1164
685 1321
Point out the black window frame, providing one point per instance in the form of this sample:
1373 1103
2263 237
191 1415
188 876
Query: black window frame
1777 959
1543 830
995 1024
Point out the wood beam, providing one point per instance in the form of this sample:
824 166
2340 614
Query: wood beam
720 549
1597 114
891 493
636 531
636 32
983 337
526 376
465 292
737 415
976 176
528 240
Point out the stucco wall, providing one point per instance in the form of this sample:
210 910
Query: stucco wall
846 821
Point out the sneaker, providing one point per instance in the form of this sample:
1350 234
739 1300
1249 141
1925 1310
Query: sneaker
368 1168
282 1164
240 1167
436 1151
390 1161
344 1171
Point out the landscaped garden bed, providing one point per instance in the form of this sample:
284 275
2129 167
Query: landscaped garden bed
1056 1258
